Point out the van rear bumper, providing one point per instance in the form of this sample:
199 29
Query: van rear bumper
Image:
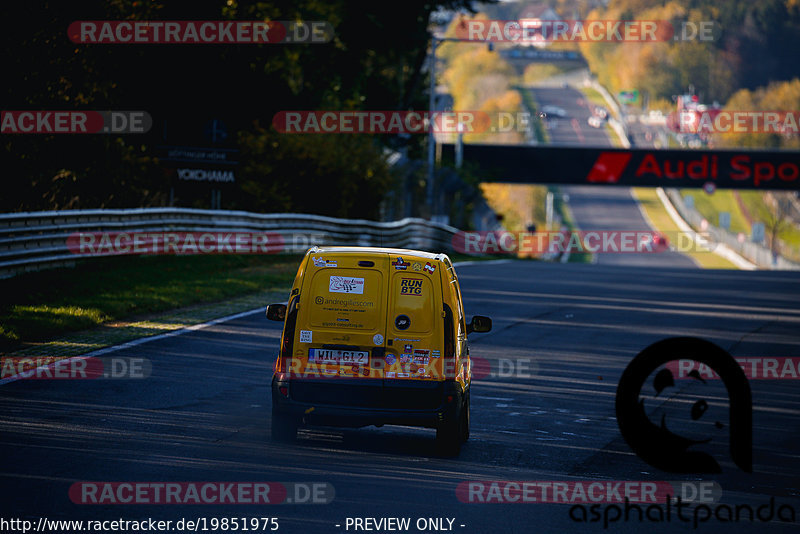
356 403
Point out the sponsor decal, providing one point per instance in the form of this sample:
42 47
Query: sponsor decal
435 354
390 374
403 375
421 360
408 349
411 286
421 352
321 262
402 322
608 167
429 268
377 339
405 358
344 304
416 266
406 339
400 264
305 336
346 284
390 359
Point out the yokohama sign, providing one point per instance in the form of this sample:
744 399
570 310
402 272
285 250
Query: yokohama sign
637 167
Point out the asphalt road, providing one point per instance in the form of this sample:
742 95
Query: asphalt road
599 207
564 334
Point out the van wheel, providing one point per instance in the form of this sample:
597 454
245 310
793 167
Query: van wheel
450 435
465 421
283 427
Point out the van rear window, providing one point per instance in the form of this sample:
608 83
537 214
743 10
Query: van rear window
346 298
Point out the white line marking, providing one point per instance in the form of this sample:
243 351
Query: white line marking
492 398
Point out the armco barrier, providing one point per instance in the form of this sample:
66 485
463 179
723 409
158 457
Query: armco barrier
758 254
35 240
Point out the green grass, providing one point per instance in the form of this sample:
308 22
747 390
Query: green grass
710 206
593 96
562 209
38 306
539 131
662 222
790 234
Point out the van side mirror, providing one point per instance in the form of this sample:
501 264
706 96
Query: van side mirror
276 312
479 323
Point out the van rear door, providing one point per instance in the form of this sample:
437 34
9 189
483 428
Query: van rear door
342 320
413 322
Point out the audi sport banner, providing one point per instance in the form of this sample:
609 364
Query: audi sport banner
735 169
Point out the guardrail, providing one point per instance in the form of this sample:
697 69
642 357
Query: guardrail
35 240
758 254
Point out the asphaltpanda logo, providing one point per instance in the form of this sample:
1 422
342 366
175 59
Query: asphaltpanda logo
655 442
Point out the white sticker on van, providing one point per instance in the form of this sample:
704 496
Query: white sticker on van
305 336
346 284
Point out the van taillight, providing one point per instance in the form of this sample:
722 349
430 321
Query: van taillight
284 391
288 329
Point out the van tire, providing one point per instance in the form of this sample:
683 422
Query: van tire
283 428
450 434
448 439
465 420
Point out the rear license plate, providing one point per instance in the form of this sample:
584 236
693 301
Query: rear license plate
360 357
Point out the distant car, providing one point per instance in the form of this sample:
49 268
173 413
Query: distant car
595 121
655 241
554 111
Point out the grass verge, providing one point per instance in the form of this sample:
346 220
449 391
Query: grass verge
107 301
38 306
662 222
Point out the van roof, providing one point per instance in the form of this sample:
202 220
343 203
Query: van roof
377 250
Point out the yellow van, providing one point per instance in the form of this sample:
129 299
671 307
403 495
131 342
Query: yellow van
374 336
